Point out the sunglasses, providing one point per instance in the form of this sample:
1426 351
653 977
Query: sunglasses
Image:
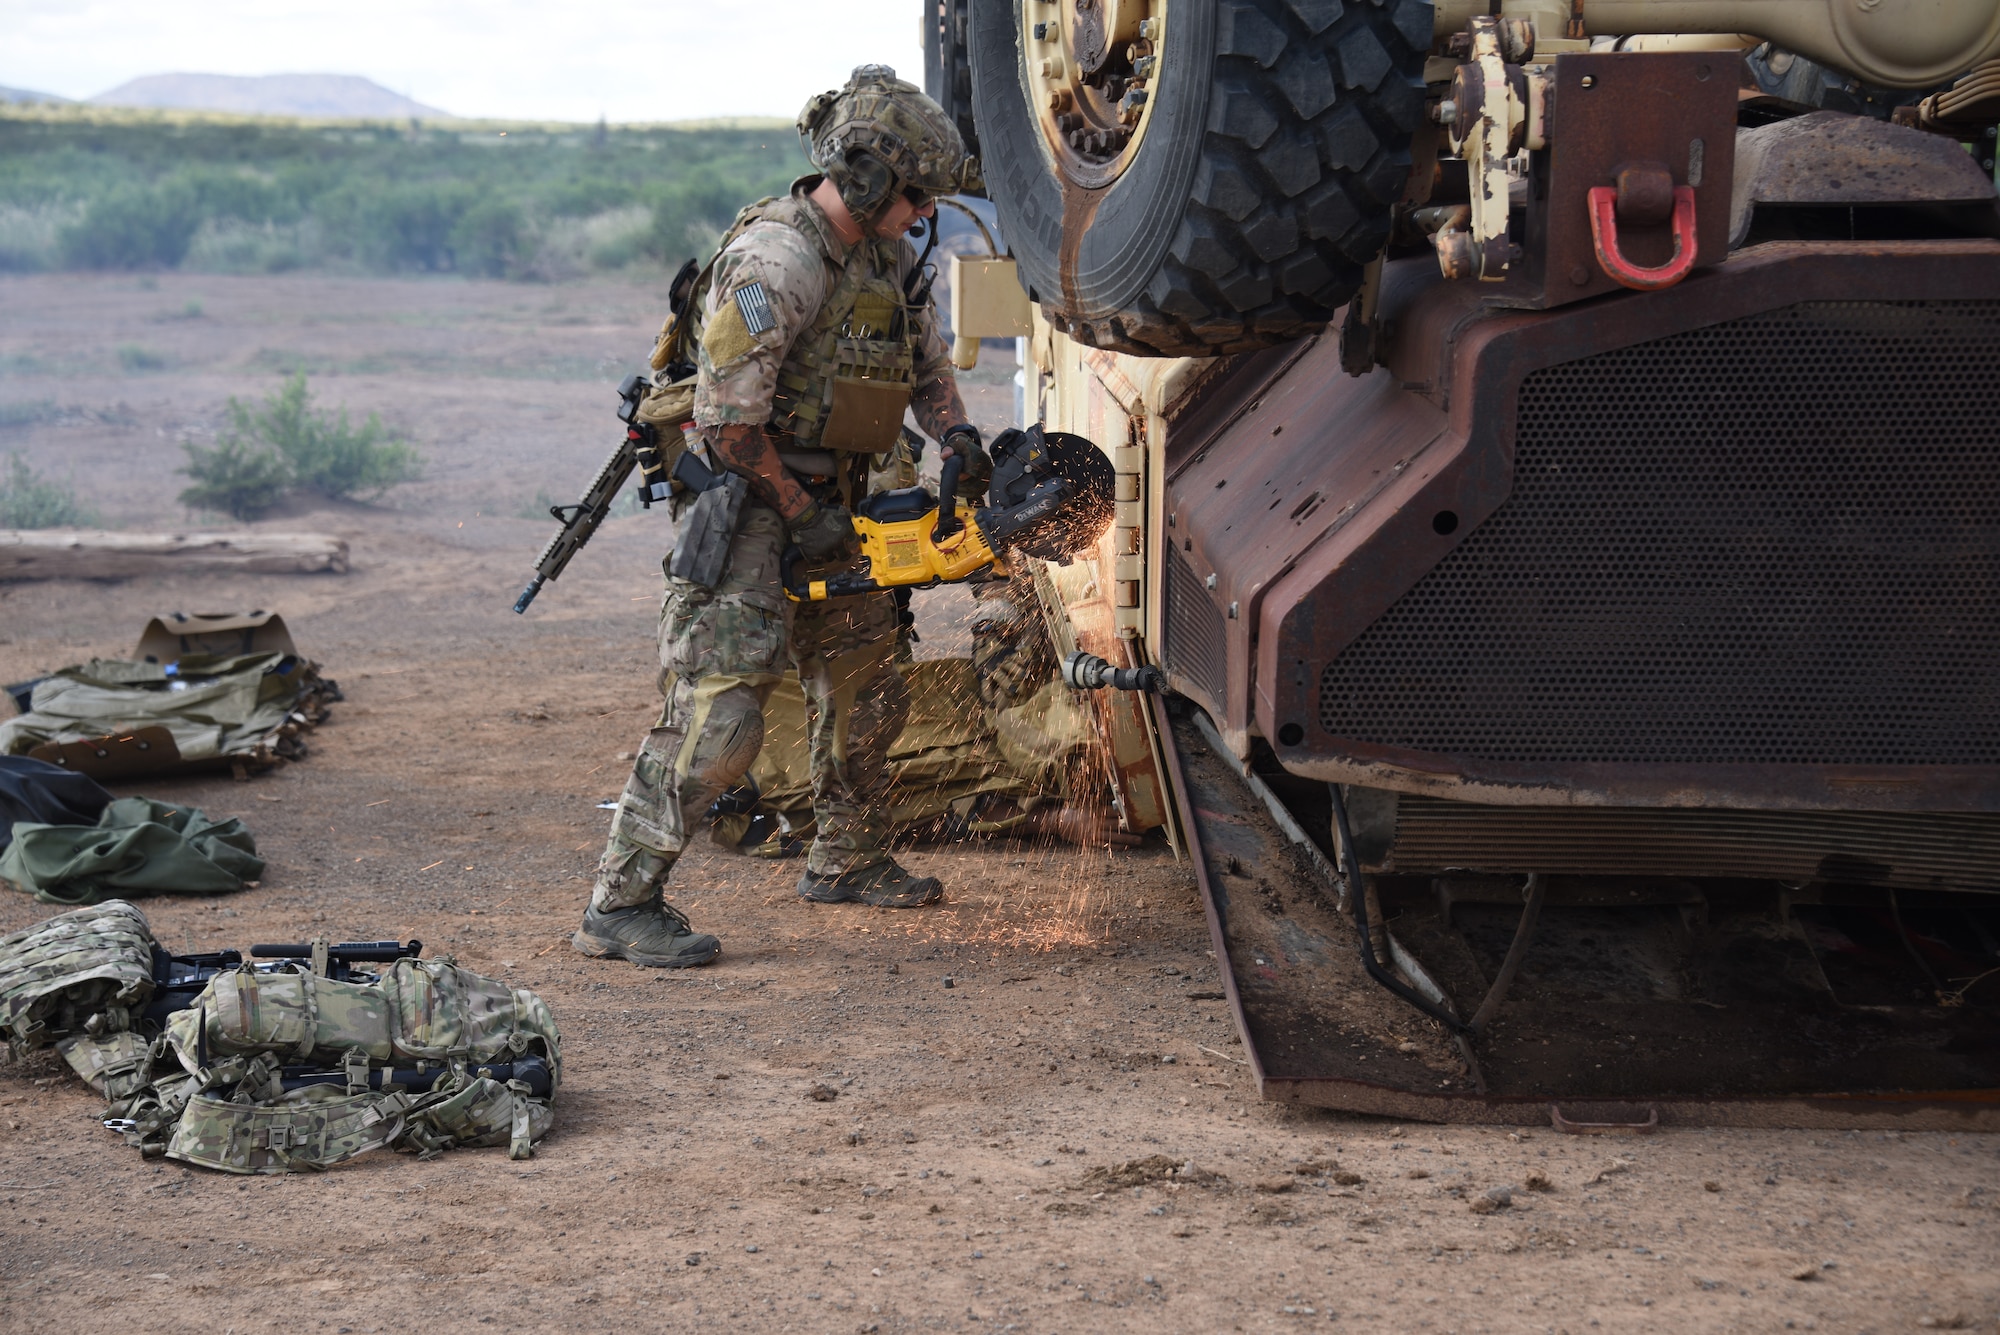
917 196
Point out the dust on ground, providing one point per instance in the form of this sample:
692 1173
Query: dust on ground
992 1061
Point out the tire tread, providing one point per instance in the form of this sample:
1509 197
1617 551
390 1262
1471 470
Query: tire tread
1317 133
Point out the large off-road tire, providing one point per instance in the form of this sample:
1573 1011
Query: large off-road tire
1241 210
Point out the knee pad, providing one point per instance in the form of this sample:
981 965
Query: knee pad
727 743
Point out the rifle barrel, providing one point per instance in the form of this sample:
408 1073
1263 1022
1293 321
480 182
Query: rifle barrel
353 952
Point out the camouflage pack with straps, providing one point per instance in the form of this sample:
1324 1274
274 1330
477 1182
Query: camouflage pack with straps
281 1068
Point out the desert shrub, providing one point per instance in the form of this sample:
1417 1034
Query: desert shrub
137 227
286 444
489 238
590 197
30 236
690 213
406 226
29 500
237 477
27 412
241 196
325 452
133 357
103 189
229 245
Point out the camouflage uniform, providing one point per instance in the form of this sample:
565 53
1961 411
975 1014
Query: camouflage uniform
722 650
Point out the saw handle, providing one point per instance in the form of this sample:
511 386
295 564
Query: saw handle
809 590
947 510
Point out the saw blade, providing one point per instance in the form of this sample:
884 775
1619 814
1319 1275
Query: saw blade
1078 525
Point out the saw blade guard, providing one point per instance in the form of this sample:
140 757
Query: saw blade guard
1053 494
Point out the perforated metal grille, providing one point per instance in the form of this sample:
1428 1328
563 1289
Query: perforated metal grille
1775 540
1195 645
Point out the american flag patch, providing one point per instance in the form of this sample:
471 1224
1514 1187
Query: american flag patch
755 307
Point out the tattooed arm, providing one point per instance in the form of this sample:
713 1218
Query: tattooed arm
938 406
743 447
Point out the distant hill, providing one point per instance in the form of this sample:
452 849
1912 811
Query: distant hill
270 95
27 95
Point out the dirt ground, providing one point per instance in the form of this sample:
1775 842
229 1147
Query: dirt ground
993 1057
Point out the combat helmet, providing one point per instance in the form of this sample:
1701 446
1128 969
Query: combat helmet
878 136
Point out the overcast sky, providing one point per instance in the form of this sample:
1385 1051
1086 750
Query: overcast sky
627 59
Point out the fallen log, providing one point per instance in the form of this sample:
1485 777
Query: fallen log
68 553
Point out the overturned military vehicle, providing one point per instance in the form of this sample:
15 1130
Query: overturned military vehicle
1559 486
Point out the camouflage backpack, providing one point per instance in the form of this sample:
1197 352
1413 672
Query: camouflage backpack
281 1068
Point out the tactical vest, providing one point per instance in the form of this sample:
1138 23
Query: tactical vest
847 377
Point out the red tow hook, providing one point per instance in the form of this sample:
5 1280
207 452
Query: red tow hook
1604 236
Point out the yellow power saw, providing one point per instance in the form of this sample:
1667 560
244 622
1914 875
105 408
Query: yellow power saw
1052 496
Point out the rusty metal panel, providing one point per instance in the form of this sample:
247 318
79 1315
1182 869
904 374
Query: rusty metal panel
1325 598
1770 541
1617 109
1830 158
1268 486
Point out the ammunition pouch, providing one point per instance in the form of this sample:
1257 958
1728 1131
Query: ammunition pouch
870 391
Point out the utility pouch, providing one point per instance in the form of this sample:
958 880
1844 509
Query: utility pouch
115 1065
870 392
298 1132
706 530
666 410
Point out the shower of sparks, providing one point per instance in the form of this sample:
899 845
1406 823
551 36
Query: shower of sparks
1056 896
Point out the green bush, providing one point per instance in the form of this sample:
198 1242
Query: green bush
488 239
29 500
235 476
30 236
133 357
28 412
690 213
142 227
323 451
406 227
100 189
286 444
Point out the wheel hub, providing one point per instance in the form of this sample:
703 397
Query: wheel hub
1092 69
1091 43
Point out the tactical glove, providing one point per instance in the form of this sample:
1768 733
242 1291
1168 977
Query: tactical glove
825 533
963 440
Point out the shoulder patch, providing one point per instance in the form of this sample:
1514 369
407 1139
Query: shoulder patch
727 338
755 307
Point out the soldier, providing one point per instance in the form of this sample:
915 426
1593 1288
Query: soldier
814 333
